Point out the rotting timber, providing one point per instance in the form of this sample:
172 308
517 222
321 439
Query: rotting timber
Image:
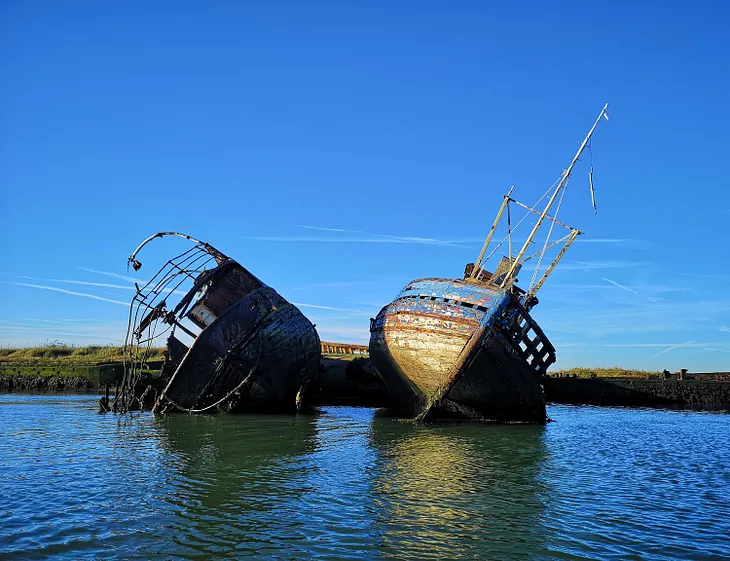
468 347
232 342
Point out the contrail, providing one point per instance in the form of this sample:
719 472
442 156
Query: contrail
604 240
115 276
49 321
86 283
71 292
382 238
680 345
613 282
330 308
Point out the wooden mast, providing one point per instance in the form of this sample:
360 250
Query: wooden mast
478 263
560 187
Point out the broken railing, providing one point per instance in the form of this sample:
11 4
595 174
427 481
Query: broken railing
158 311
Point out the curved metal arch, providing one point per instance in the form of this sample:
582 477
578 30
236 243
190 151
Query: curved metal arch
136 265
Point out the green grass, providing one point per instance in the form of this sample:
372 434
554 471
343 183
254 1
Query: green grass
614 372
61 359
62 354
40 370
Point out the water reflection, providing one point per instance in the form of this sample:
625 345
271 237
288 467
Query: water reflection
345 484
460 491
237 482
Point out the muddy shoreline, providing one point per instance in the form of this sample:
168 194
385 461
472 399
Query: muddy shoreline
37 383
344 381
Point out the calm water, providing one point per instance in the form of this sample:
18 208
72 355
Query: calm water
347 484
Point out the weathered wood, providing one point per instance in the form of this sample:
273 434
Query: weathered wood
457 348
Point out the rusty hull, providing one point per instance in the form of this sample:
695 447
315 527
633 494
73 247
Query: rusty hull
233 343
460 348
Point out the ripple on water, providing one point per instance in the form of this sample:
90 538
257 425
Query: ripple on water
346 483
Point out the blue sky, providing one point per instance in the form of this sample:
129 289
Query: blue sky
341 149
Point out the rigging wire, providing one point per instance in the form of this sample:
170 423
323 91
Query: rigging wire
547 238
509 230
508 236
590 178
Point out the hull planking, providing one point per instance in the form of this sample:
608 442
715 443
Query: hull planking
454 348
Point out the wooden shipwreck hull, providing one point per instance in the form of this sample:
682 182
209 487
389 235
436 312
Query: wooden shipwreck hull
468 347
460 348
233 343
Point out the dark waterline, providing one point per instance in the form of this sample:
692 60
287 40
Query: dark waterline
348 484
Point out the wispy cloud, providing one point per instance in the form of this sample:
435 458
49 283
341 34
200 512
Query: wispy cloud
70 292
639 287
636 345
621 286
360 236
131 280
604 240
321 229
344 284
115 275
67 281
55 321
672 347
86 283
321 239
715 350
91 332
331 308
73 321
598 265
600 315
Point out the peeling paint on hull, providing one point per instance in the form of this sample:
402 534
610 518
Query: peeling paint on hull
453 348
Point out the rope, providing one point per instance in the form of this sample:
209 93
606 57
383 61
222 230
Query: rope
207 408
527 213
590 179
509 230
547 238
216 373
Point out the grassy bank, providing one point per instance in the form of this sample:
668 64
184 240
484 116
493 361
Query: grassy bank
62 355
47 363
60 359
614 372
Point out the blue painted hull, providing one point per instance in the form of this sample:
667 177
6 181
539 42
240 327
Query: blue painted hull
459 348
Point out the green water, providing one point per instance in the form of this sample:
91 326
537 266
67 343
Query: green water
348 484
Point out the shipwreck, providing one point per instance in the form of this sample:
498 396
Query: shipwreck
232 342
468 347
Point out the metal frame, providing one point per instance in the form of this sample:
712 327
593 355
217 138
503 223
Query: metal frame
150 318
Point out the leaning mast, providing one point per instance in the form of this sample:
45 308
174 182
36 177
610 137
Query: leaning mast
560 187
